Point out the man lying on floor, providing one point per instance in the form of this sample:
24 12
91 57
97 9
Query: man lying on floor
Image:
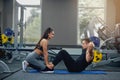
81 62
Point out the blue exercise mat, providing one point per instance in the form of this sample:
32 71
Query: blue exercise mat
58 71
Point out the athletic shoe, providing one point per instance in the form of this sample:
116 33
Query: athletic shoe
24 65
47 70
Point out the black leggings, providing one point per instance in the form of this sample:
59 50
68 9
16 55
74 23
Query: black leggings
70 63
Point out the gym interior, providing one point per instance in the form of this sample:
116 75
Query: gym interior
23 22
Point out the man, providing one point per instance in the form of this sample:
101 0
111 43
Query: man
81 62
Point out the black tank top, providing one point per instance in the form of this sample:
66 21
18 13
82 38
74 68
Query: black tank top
81 60
39 47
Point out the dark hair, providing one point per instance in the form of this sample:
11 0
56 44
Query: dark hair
45 35
86 39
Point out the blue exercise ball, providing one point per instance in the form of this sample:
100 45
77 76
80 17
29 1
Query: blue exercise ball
95 40
8 32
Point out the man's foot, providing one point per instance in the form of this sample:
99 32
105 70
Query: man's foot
47 70
24 65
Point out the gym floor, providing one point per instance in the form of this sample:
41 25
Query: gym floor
112 70
112 74
38 76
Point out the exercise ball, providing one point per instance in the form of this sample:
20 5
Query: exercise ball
4 38
8 32
95 40
97 56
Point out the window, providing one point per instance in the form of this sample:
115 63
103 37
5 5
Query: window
29 2
31 21
87 9
32 30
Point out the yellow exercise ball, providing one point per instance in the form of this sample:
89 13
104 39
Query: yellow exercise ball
4 38
97 56
12 40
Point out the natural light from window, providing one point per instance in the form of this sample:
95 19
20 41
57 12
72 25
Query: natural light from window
87 10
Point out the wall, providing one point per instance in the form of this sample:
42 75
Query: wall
1 11
112 13
8 13
117 8
1 5
61 15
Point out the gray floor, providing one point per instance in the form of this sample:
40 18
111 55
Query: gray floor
113 73
38 76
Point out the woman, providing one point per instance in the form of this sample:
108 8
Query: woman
83 60
38 59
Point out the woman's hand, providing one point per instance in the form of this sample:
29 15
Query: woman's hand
50 65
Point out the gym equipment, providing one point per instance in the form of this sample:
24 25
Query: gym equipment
8 32
110 46
58 71
95 40
4 38
8 36
16 52
4 66
7 39
108 54
97 56
117 43
11 40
